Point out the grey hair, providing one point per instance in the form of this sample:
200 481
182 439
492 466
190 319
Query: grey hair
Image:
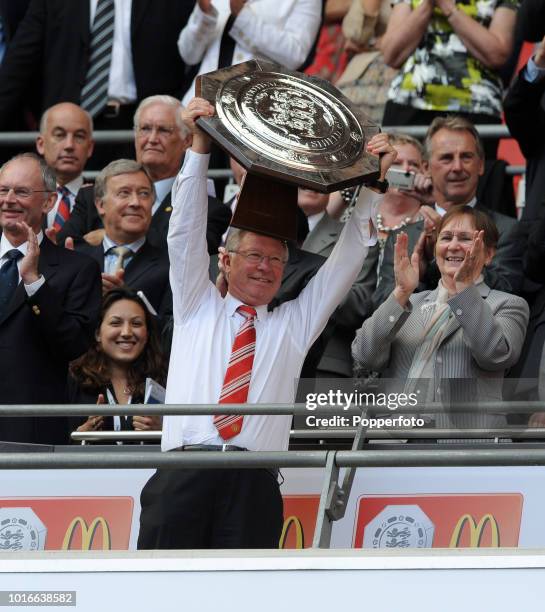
168 101
49 179
115 168
235 236
45 117
397 138
454 123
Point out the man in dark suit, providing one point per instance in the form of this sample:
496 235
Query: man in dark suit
454 162
11 14
66 143
161 139
525 115
49 302
54 44
124 198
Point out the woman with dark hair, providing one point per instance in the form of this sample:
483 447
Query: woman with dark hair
453 343
114 370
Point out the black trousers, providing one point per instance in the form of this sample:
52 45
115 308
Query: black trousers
400 114
218 508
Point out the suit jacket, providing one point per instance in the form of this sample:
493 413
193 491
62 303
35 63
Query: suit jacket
350 314
11 14
483 337
85 218
51 27
504 272
78 395
147 271
40 335
524 108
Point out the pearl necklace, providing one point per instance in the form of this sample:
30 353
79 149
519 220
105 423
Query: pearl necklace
393 228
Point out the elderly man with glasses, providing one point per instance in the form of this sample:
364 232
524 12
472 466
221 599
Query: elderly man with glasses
49 302
161 140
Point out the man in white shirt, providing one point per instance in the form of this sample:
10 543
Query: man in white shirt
66 143
236 508
224 32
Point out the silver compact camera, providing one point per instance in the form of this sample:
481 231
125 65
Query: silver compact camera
399 179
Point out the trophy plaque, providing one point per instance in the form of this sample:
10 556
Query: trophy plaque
295 130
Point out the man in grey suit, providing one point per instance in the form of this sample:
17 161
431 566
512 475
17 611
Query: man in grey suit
336 361
454 162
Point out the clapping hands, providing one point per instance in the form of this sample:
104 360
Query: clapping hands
406 270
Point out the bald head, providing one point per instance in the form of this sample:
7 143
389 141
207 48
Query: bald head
66 140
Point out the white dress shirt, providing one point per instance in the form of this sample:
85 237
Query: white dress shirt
281 31
443 212
205 324
73 187
162 187
5 246
122 84
313 220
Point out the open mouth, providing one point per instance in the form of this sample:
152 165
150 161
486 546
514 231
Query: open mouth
454 259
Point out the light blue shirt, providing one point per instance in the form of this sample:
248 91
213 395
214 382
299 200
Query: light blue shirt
533 73
110 259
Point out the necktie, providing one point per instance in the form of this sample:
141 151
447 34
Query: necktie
9 279
238 375
227 45
122 253
94 94
63 209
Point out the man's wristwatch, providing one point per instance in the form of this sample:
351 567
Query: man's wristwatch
378 185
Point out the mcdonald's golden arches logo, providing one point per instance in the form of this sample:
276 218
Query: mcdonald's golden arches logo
476 531
299 532
88 533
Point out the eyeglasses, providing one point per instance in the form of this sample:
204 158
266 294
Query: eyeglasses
254 257
21 193
164 131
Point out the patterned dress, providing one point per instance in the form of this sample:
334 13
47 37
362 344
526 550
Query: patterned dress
441 75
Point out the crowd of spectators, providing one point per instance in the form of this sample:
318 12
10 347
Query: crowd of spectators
69 68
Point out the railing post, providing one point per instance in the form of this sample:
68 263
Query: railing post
331 504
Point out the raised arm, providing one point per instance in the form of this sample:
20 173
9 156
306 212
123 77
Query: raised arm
187 247
332 282
287 41
371 347
522 106
405 30
199 32
494 337
492 46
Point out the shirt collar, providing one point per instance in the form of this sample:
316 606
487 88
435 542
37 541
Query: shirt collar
162 187
443 212
108 243
313 220
75 185
5 244
232 303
